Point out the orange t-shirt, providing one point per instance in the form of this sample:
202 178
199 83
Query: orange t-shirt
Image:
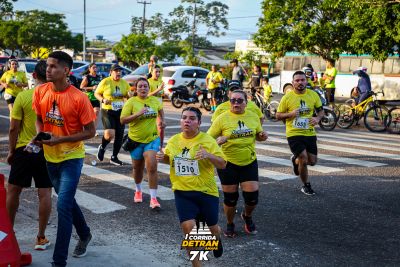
63 114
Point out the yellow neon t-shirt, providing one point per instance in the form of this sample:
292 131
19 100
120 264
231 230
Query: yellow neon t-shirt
10 77
180 147
144 128
214 78
23 111
115 91
332 73
307 103
267 91
154 84
241 130
227 106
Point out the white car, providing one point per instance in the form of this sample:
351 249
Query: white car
28 68
178 75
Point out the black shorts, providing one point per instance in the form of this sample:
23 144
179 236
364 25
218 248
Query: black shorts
11 100
298 144
26 166
111 119
193 204
330 92
234 174
95 103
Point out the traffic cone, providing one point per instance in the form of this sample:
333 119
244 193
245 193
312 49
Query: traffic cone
10 255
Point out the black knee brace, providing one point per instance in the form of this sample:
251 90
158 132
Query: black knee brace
250 198
230 199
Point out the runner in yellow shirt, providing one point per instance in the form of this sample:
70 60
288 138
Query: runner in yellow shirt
112 92
157 90
192 156
141 113
213 81
267 89
297 109
329 80
237 130
232 86
25 165
14 81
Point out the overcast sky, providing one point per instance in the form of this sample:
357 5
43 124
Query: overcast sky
111 18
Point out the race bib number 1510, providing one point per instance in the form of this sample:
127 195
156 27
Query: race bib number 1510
186 167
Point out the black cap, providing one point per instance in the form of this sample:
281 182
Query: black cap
234 61
234 85
115 67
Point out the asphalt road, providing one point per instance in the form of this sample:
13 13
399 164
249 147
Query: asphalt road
353 220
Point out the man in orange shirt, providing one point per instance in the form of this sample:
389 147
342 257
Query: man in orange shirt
66 115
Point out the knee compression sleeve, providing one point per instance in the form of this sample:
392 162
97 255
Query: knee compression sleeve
250 198
230 199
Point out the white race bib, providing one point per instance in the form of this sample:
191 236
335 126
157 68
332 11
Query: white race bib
301 123
7 96
117 105
186 167
208 95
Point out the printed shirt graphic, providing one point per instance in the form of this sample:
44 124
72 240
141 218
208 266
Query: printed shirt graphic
331 72
241 130
227 106
92 81
63 114
144 128
112 90
214 77
23 111
306 103
154 84
178 146
11 76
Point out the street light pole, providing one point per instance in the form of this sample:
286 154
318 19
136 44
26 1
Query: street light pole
84 30
144 12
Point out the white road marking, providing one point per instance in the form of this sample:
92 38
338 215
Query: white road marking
89 201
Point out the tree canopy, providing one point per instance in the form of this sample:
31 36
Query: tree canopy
329 27
134 47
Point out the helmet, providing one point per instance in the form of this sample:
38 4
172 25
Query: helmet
307 71
364 69
234 85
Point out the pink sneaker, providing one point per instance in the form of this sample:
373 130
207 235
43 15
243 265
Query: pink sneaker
154 203
138 198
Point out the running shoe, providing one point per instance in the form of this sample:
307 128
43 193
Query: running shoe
138 198
80 249
230 230
42 243
306 189
100 153
218 252
295 165
249 225
114 160
154 203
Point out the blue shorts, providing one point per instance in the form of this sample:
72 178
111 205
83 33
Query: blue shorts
137 153
193 204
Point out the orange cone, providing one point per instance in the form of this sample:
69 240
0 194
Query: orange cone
10 255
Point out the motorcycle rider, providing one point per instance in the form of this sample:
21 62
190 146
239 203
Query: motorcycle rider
364 84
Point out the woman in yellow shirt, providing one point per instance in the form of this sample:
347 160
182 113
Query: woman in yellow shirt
141 113
192 156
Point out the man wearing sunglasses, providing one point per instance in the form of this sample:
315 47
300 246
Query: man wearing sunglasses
236 130
232 86
297 109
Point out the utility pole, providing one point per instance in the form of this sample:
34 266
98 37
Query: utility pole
144 12
193 27
84 30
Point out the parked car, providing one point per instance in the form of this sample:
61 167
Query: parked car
142 71
180 75
102 68
28 67
78 64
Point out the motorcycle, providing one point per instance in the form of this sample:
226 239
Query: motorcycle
190 94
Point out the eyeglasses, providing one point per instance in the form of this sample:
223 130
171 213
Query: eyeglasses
236 100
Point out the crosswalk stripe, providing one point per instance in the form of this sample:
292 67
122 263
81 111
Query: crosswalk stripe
345 142
346 149
286 162
89 201
355 139
164 193
4 138
344 160
377 136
